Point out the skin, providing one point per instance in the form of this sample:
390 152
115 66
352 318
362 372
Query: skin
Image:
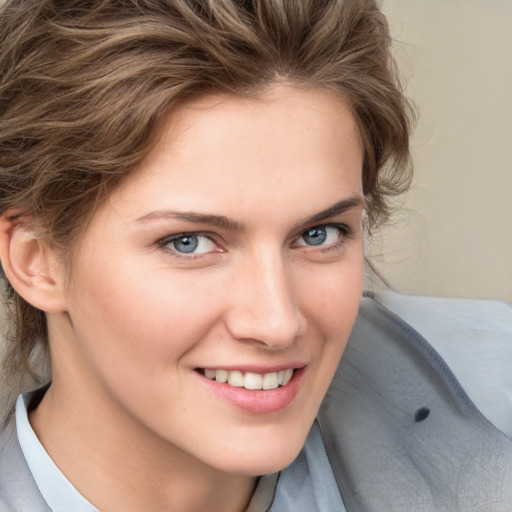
128 419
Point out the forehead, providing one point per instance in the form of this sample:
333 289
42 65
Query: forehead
286 143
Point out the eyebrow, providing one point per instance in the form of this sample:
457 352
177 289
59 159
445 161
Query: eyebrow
219 221
224 222
336 209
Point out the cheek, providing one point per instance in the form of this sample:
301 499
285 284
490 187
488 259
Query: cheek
337 306
144 321
335 296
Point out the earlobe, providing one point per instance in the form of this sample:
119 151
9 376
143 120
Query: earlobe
29 265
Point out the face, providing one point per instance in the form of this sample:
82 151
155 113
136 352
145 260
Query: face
213 294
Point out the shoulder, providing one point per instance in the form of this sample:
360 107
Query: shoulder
18 491
400 429
474 337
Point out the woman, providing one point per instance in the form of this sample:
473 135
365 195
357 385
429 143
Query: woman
185 187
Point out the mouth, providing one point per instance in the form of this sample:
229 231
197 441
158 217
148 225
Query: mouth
253 392
249 380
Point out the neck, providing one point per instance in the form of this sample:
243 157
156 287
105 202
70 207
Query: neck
122 465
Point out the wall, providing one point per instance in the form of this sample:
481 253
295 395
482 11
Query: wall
453 236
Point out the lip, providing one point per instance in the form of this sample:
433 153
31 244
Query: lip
296 365
257 401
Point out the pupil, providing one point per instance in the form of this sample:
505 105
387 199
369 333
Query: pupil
186 244
315 236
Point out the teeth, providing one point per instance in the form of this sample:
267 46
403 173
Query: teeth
251 380
210 374
236 379
287 376
220 376
270 381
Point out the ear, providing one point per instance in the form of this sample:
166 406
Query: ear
30 266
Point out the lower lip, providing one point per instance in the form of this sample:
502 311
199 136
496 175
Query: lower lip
257 401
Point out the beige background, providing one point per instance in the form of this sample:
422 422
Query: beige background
454 235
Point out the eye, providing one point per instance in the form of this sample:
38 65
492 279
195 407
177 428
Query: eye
189 243
322 236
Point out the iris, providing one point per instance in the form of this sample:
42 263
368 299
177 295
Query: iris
315 236
186 243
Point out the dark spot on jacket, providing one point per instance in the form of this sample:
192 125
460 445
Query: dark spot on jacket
421 414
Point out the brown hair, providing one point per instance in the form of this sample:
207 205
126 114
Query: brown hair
83 83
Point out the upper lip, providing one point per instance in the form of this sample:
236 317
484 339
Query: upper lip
255 368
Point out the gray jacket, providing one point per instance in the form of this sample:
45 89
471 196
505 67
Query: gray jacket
400 433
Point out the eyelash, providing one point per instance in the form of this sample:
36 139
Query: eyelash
165 242
344 233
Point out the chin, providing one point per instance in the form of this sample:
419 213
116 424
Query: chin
266 453
263 464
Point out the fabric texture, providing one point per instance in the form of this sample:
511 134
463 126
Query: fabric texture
400 432
474 337
18 490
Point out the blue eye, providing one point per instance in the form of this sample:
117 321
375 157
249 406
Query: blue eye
186 244
321 236
189 243
315 236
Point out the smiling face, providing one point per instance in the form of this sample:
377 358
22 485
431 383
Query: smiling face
234 253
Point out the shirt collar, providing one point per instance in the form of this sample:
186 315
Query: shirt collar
56 489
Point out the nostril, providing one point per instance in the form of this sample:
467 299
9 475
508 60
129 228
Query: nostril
421 414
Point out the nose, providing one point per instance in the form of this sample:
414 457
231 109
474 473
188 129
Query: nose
264 306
